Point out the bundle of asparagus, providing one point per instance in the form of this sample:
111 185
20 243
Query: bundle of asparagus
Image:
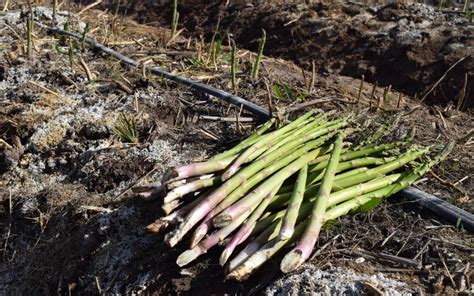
280 186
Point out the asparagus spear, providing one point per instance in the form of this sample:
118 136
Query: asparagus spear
247 227
191 187
289 136
349 180
305 245
355 163
178 173
189 255
256 252
334 198
242 176
250 183
265 252
174 217
342 166
245 156
247 142
269 227
263 189
291 215
380 170
322 161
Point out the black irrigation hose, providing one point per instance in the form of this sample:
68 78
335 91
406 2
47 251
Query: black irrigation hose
450 212
260 112
440 207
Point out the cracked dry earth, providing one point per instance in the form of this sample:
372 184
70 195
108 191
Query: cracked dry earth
72 223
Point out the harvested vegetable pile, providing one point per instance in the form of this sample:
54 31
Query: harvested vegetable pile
281 186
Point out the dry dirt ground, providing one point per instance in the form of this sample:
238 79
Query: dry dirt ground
72 224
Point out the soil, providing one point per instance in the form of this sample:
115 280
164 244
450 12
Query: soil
406 46
72 223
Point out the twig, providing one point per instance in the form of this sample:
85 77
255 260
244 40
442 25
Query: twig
441 79
44 88
422 249
360 89
88 7
313 76
463 93
399 100
387 238
86 69
447 270
172 39
442 118
320 250
123 87
388 257
5 7
269 98
449 184
237 121
96 209
97 284
372 95
6 144
9 226
461 180
209 134
226 119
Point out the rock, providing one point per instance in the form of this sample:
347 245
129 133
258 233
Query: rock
333 281
94 131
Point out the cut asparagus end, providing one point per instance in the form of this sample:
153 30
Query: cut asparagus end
225 256
172 195
286 233
173 238
243 255
292 261
199 234
157 226
187 256
229 173
170 206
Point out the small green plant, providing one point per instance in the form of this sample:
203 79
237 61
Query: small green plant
55 8
256 65
212 46
175 18
126 129
233 66
459 224
216 51
284 92
29 36
467 9
117 8
86 29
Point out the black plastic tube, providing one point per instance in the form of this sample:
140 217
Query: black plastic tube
440 207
